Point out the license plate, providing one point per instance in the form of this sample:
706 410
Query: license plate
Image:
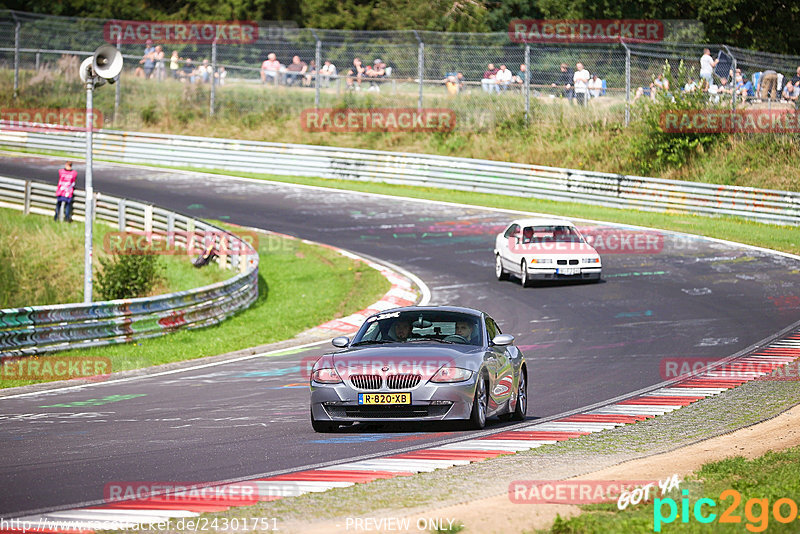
569 270
384 398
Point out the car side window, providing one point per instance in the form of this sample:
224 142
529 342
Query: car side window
513 229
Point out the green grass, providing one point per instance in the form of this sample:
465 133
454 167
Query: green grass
41 262
300 286
776 475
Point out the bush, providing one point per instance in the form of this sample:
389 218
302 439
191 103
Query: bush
655 150
125 276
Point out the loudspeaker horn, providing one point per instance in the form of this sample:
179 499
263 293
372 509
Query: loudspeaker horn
107 62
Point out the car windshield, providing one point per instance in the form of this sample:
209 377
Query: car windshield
420 326
551 234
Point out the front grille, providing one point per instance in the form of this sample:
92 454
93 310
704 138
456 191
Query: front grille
561 262
573 262
381 412
402 381
366 381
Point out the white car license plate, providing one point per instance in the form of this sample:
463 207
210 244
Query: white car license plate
569 270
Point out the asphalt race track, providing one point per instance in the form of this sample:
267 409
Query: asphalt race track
585 343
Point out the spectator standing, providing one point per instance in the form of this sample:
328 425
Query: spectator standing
161 71
220 75
65 191
581 81
205 72
768 85
188 73
595 86
707 64
270 68
296 70
564 80
148 60
354 75
327 72
503 78
488 82
174 65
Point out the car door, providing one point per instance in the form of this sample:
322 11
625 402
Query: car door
507 256
501 387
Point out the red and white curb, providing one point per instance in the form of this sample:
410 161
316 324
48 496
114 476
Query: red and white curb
128 514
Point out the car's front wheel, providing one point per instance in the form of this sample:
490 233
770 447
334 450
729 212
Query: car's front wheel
480 403
522 399
322 427
526 281
499 270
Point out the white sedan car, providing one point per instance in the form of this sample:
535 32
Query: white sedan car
545 249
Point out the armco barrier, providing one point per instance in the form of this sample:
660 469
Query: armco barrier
516 179
40 329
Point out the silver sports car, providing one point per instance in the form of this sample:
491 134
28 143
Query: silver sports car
420 363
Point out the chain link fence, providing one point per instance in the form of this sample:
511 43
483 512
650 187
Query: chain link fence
485 79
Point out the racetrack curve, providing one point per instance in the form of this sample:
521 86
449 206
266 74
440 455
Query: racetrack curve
584 343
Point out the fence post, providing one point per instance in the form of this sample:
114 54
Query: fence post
733 77
527 82
16 58
420 67
117 89
212 99
627 83
122 222
318 60
38 59
26 203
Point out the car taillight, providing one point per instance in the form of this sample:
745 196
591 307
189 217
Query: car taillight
326 376
451 374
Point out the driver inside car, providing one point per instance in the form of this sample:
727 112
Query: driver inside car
400 331
464 329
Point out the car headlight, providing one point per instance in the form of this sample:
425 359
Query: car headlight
591 260
326 376
541 260
451 374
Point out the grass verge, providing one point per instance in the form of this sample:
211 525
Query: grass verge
300 286
41 262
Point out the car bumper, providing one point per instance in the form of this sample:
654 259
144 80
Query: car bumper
584 273
429 402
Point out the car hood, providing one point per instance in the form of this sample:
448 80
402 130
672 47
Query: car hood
420 358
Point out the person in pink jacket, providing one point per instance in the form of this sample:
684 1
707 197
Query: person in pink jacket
65 191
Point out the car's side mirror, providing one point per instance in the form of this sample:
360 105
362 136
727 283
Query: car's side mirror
501 340
340 342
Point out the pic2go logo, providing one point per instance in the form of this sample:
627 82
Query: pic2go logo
756 511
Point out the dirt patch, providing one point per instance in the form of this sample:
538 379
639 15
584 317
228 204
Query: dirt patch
779 433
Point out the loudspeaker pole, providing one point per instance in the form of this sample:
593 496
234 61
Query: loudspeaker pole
89 202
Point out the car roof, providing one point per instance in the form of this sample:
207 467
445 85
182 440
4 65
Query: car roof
542 221
454 309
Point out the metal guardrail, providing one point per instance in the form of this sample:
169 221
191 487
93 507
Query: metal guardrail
484 176
39 329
